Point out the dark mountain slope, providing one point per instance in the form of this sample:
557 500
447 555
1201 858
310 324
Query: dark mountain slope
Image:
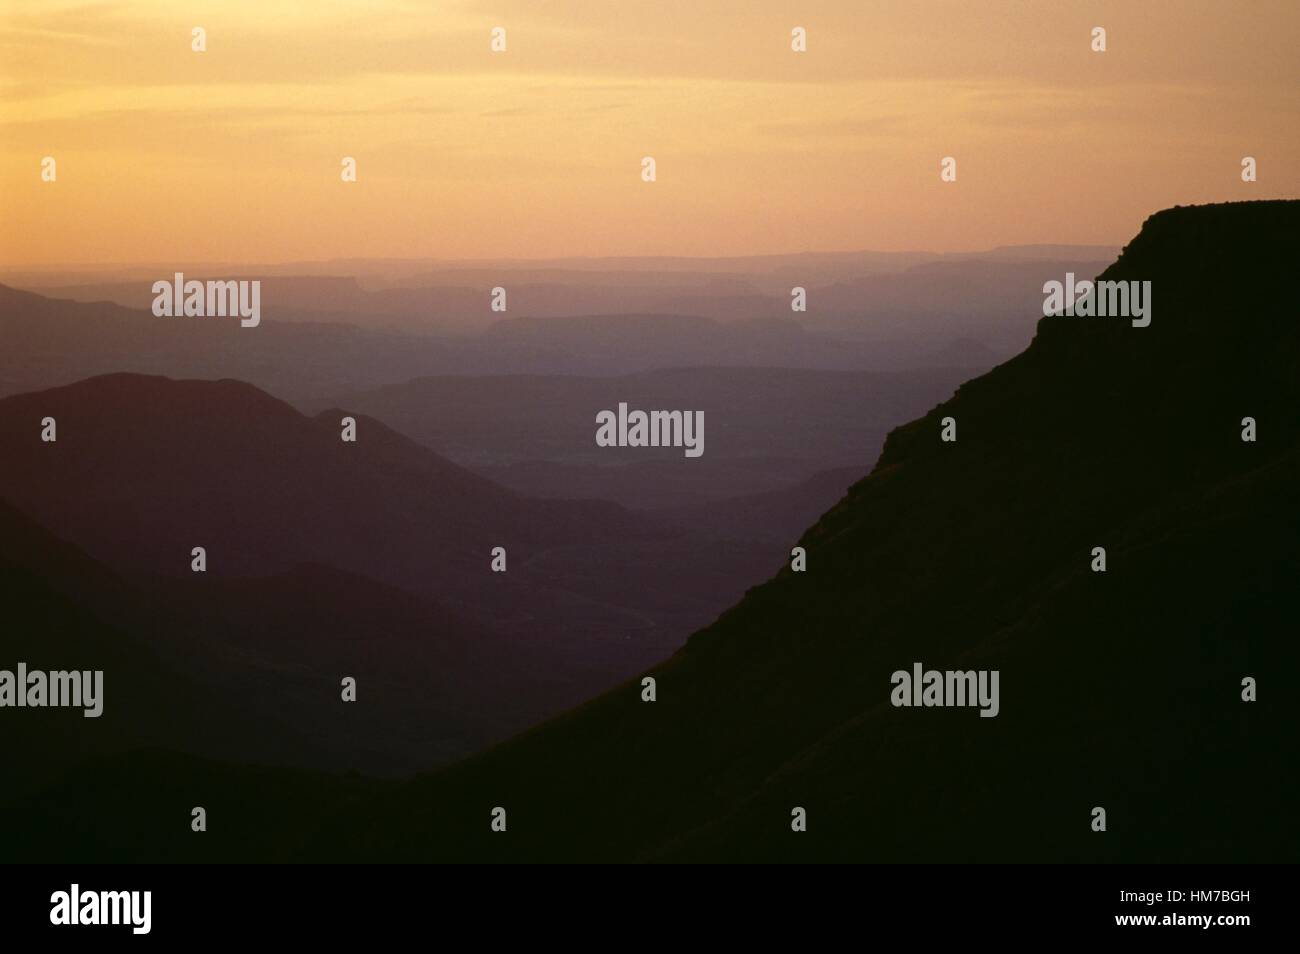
147 468
431 686
136 808
1118 689
62 611
250 669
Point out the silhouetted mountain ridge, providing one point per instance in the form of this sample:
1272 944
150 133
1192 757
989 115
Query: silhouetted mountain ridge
1119 689
145 468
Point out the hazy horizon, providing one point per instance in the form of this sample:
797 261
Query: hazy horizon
594 262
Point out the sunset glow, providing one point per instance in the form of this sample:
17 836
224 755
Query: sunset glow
233 154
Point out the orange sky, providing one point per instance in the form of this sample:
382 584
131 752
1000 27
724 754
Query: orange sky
234 154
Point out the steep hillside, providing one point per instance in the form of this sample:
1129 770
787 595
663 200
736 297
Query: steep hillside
1119 690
